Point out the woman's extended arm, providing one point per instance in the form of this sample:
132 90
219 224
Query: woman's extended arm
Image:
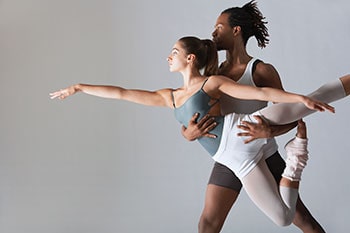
151 98
236 90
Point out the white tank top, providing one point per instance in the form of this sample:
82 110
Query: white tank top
229 104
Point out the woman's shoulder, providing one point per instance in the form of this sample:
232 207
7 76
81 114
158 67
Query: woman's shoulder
215 82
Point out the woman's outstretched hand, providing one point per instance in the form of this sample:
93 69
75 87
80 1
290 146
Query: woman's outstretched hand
63 93
317 105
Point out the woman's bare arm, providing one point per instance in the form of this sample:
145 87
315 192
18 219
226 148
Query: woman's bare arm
234 89
151 98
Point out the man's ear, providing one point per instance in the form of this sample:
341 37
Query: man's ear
236 30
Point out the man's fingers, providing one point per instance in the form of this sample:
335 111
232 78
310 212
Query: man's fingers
243 127
243 134
249 140
209 135
258 119
209 124
206 121
246 125
194 117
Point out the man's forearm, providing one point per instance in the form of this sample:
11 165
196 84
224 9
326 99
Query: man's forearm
277 130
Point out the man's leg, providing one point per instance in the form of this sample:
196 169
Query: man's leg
218 202
303 218
305 221
222 192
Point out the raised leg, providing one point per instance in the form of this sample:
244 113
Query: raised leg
303 218
263 191
285 113
279 204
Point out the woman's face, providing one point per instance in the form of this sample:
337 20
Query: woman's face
177 59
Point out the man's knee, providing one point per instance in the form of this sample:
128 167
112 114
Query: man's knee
209 224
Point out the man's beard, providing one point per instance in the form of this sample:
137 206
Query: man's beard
220 48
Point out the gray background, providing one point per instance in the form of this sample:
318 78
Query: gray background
95 165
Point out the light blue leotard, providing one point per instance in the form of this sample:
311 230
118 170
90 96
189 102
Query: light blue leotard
200 103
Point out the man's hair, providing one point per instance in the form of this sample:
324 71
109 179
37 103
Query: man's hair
250 19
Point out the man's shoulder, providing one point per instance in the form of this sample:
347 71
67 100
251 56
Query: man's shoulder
263 68
265 74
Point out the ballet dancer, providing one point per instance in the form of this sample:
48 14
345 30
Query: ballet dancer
201 93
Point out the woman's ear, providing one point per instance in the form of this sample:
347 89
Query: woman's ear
190 58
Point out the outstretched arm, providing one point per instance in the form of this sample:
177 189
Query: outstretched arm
234 89
152 98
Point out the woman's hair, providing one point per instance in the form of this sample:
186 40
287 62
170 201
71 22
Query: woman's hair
204 51
250 19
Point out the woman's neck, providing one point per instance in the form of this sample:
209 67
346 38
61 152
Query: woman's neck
191 77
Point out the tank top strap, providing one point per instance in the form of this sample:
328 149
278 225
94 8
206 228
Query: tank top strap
216 100
255 63
205 81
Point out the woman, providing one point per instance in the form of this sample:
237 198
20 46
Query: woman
200 93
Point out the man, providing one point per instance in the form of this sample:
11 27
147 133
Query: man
232 30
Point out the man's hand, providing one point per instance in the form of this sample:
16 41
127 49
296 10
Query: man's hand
261 129
199 129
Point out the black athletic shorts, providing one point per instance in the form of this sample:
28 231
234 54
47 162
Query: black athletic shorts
223 176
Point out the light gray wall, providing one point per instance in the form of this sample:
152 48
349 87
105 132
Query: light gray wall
88 165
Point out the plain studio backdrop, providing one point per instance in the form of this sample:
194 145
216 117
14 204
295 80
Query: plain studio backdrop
88 165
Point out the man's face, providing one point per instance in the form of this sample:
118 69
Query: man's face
223 33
